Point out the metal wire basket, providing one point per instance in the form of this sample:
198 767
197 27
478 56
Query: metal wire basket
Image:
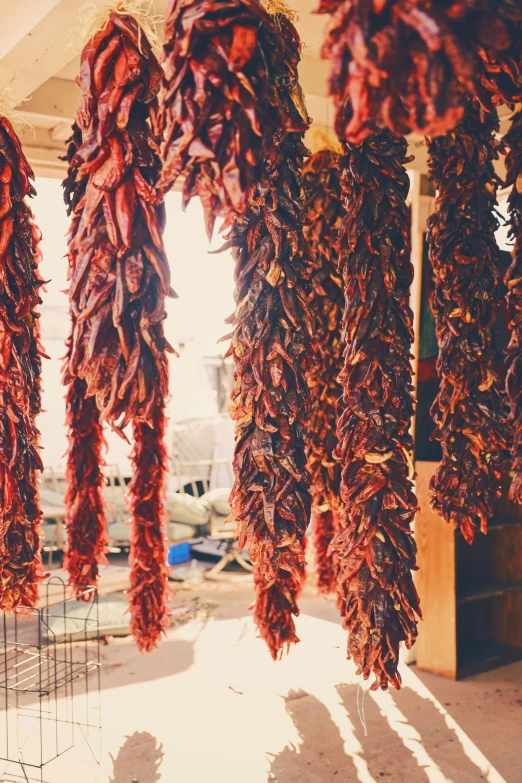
49 684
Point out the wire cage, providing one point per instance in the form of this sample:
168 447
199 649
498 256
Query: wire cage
50 685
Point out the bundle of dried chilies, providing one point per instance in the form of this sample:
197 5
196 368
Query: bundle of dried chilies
148 592
20 370
375 548
401 62
501 70
323 213
271 349
220 106
275 606
513 282
119 278
85 518
468 410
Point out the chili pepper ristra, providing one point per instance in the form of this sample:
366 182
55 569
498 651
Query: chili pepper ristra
469 409
401 64
87 538
324 210
20 377
271 346
375 548
148 593
33 464
500 72
513 280
85 521
220 106
118 267
275 607
119 278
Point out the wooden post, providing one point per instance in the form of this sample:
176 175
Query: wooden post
435 582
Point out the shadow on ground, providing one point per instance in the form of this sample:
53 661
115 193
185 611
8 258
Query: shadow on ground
139 759
320 757
406 739
121 666
497 697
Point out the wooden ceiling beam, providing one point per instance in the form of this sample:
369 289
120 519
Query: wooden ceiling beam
38 43
55 101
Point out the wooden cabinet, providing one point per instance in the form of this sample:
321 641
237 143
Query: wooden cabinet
471 596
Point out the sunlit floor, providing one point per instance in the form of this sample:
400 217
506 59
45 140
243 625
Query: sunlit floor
210 706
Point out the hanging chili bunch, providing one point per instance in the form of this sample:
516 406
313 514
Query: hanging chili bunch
501 66
119 271
400 63
275 607
375 548
33 465
85 520
324 211
513 281
148 593
271 347
119 278
220 106
468 411
20 380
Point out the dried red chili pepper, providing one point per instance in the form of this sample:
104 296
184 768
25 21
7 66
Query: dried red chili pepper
468 411
20 380
119 274
220 105
86 525
271 348
513 280
323 212
376 549
400 63
148 594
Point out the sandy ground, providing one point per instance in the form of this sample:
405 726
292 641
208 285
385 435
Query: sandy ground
210 706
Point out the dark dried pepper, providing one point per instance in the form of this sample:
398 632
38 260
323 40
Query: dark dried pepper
220 106
513 281
399 63
119 278
271 347
469 410
85 522
324 210
20 380
375 548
